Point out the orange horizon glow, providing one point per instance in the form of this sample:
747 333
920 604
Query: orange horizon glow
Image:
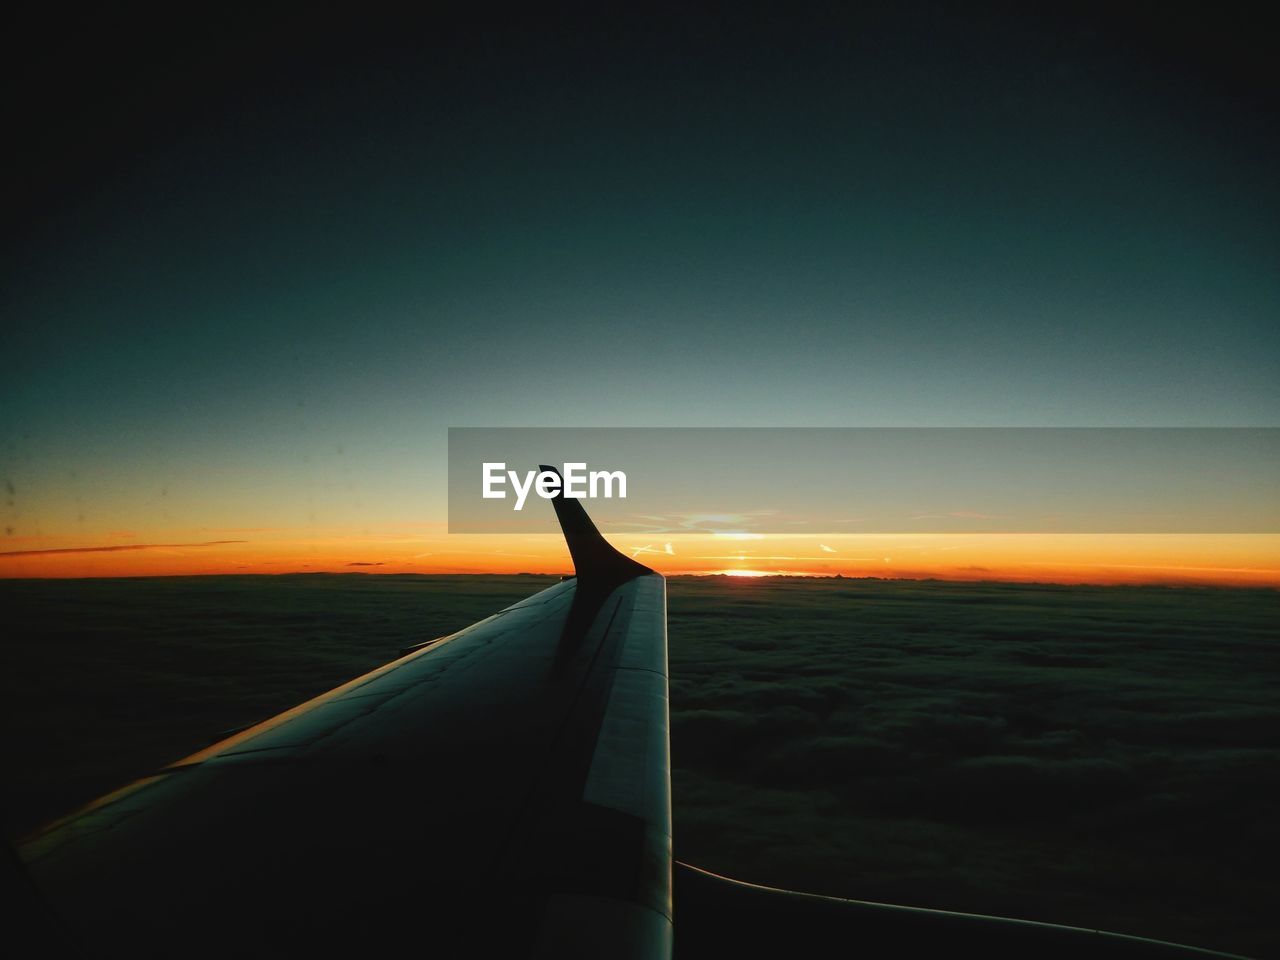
1166 559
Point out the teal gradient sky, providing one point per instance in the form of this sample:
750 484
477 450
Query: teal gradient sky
263 297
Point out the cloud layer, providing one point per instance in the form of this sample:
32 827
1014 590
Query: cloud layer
117 547
1083 755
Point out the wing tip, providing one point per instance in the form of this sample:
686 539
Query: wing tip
595 560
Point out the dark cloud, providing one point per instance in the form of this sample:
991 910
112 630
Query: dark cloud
113 549
364 563
1028 750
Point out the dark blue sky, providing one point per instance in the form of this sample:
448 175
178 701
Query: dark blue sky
256 255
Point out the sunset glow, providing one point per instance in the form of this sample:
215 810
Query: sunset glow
1232 559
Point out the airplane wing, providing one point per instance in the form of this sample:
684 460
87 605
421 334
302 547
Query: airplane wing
503 791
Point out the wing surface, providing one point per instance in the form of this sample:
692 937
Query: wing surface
504 791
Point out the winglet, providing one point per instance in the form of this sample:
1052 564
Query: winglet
594 560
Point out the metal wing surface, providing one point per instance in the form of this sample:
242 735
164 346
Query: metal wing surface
502 791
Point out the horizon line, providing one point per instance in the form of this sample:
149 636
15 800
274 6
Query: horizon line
718 574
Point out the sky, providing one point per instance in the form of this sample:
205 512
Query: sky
259 267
